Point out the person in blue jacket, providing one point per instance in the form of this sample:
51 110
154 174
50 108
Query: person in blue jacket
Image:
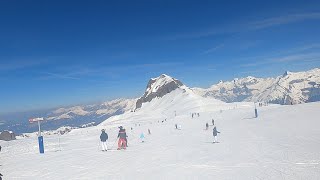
142 137
104 138
215 133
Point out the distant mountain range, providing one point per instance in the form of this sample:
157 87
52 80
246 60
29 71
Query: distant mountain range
75 116
289 88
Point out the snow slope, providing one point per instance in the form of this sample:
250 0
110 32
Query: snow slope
283 143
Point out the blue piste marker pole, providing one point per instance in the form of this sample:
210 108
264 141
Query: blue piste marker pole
41 147
40 139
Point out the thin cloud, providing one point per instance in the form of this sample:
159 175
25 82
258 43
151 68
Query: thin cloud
247 26
250 72
87 73
21 64
276 21
301 57
57 76
297 57
214 48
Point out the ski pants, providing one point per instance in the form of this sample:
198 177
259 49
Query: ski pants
122 143
215 139
104 145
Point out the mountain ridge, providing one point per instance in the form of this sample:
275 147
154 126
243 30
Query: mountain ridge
289 88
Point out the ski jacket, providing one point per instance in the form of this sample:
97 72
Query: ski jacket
104 136
141 136
122 134
215 131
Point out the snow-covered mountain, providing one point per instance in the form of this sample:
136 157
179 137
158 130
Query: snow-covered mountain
158 87
166 97
165 91
104 109
289 88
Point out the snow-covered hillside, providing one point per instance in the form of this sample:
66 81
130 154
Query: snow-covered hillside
282 143
290 88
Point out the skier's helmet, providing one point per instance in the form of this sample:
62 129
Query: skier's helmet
103 130
120 127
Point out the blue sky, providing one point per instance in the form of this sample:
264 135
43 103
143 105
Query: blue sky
58 53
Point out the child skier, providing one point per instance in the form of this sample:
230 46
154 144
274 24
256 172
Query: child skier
215 133
104 138
142 137
122 135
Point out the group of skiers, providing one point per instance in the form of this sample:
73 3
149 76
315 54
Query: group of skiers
214 131
195 114
122 139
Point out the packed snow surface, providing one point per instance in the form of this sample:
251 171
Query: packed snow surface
282 143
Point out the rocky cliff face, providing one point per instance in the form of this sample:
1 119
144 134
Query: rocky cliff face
158 87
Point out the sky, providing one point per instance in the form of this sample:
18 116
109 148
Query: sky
60 53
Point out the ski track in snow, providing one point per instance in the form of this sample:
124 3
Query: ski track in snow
283 143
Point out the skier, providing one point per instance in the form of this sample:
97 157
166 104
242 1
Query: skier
176 125
104 138
212 122
192 115
122 138
149 132
142 137
215 133
207 126
0 176
0 148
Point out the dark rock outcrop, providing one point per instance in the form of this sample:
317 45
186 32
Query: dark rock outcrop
7 136
158 87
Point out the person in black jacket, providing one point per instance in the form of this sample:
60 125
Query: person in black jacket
122 135
215 133
0 176
104 138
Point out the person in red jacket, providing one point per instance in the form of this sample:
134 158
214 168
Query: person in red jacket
122 135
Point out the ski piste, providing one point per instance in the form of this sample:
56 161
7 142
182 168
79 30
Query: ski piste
249 147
